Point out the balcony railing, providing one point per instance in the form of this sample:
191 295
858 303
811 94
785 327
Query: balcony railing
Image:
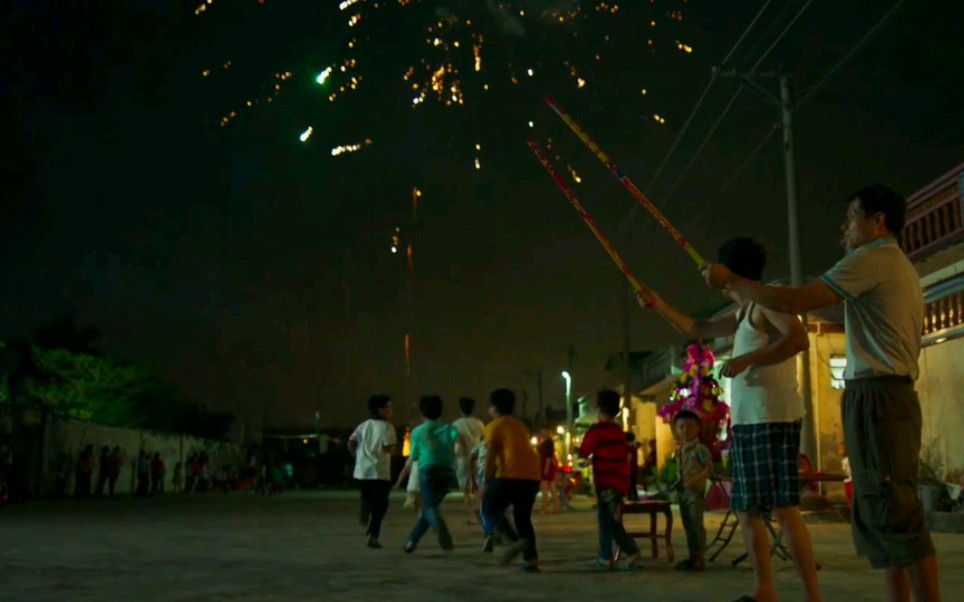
944 310
934 216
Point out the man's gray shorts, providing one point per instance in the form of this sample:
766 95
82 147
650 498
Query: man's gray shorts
882 429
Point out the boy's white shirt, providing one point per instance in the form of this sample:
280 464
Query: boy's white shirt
372 462
471 430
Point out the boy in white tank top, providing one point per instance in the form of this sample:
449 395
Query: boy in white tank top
766 412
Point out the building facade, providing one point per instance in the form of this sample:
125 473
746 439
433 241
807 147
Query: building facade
934 240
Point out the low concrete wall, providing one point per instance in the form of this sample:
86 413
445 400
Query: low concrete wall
70 437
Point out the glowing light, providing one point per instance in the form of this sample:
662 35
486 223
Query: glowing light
534 441
560 430
574 175
478 147
477 164
394 249
306 134
451 53
351 148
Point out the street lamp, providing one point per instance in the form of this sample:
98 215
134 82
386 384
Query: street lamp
568 378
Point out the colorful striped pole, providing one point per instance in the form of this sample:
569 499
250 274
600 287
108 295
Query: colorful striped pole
640 290
626 182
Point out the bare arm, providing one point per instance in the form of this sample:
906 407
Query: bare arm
406 470
721 326
792 340
494 449
814 295
352 446
703 474
462 449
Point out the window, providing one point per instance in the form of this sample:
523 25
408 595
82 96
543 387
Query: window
837 366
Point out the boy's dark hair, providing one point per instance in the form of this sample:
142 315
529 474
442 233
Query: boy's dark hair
503 400
880 198
631 436
607 401
431 407
685 415
376 403
467 405
744 257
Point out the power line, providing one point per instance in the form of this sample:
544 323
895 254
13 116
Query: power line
632 213
827 76
766 34
699 103
706 139
857 47
719 120
780 37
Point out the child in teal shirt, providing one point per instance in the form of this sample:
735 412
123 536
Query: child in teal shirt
433 447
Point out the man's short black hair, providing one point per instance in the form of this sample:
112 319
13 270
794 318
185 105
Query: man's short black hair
467 405
377 402
503 400
631 436
607 401
685 415
744 257
880 198
431 406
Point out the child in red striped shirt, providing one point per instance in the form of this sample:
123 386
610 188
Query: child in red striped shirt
605 442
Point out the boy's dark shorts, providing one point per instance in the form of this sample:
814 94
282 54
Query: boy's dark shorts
766 462
882 428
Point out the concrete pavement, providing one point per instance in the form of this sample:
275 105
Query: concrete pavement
308 546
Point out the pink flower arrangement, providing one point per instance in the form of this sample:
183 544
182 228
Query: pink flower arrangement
699 392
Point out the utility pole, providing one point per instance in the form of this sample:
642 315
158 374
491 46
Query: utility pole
540 417
627 370
410 258
785 102
569 413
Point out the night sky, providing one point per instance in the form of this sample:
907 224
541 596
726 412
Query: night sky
256 269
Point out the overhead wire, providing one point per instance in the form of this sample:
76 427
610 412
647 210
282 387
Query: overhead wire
699 102
627 220
813 90
719 120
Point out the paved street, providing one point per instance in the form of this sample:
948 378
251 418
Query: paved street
310 547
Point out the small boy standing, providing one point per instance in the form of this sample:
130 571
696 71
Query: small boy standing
372 443
606 443
695 466
433 451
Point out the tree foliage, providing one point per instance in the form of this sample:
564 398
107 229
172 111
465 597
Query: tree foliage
62 370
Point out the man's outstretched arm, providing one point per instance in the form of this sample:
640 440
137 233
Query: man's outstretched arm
814 295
